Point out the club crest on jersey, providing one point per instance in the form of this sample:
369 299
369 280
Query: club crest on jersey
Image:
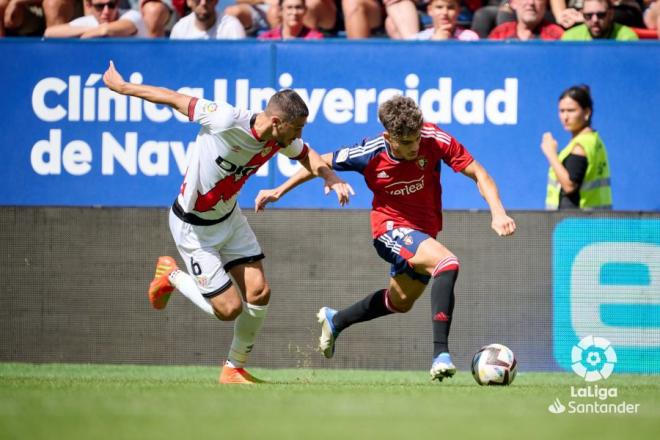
421 162
408 240
210 107
265 151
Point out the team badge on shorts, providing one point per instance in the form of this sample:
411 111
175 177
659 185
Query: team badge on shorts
202 281
408 240
421 162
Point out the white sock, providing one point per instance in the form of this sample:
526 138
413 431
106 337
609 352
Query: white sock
186 285
246 328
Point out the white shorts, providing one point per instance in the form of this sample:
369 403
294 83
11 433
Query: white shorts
211 251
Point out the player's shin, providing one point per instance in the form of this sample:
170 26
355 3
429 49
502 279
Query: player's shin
442 303
246 329
187 286
370 307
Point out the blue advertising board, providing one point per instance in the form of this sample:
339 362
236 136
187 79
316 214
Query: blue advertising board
606 283
69 141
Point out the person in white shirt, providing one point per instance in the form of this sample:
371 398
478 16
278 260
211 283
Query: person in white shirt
225 276
444 14
203 23
105 20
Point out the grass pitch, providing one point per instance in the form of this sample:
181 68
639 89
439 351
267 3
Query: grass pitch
64 401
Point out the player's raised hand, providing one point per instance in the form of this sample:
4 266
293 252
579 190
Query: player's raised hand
265 197
113 79
341 188
503 225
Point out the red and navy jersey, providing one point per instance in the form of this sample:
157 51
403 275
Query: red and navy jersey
406 193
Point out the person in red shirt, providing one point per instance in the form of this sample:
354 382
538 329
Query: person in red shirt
292 13
402 168
529 24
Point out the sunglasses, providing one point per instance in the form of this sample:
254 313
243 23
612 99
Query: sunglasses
101 6
589 15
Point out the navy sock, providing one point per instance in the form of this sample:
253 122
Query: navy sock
442 308
370 307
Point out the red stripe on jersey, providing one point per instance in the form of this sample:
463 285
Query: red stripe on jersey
227 187
303 154
191 108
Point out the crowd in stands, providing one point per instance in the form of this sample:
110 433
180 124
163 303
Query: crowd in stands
465 20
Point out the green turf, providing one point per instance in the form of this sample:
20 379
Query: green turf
63 401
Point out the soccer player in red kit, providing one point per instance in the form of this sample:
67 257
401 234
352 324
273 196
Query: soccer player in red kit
402 169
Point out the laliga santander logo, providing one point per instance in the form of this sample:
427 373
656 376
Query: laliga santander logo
593 358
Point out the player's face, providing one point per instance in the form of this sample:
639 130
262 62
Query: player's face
443 12
572 116
405 147
293 12
598 17
285 131
105 11
203 9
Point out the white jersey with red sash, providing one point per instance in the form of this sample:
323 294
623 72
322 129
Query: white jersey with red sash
226 152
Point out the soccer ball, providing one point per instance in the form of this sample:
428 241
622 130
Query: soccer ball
494 364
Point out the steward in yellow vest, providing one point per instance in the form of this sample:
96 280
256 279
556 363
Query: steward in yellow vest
579 176
595 191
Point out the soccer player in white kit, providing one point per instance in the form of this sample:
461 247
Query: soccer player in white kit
210 232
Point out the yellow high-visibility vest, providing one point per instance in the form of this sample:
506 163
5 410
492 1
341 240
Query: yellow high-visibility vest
595 191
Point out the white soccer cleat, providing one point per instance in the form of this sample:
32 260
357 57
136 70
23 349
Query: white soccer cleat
328 332
442 367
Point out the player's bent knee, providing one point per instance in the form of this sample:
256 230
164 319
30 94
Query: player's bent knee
228 311
260 296
446 264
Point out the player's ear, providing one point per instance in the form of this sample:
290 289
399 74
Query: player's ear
387 136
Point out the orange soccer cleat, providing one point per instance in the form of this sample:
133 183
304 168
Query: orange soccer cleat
230 375
161 288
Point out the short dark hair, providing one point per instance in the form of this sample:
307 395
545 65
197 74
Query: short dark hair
288 105
400 116
582 95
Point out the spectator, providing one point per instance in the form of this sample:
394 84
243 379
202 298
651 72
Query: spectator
444 14
567 13
256 16
492 14
203 23
530 23
579 176
105 19
652 16
401 21
292 13
158 15
599 24
32 17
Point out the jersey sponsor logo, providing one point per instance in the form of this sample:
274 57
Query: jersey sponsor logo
405 188
383 175
238 171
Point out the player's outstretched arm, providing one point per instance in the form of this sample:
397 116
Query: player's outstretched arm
314 165
501 222
158 95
